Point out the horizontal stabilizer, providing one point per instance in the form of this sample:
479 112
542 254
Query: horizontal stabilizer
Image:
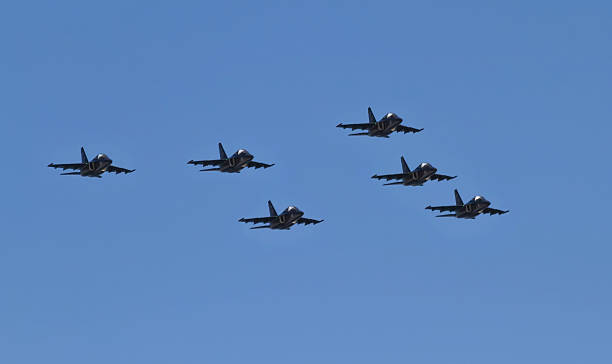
448 215
260 227
70 174
358 134
210 169
392 183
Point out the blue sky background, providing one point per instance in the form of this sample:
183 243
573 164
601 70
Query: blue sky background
153 267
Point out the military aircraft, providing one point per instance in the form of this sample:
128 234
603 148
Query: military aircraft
421 174
94 168
382 128
234 164
476 206
291 216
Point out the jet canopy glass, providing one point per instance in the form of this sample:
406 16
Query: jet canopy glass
101 156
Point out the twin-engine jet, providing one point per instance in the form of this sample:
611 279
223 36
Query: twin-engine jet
421 174
476 206
234 164
94 168
388 124
291 216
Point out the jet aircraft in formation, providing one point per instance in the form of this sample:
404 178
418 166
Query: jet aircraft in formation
239 160
421 174
291 216
388 124
94 168
476 206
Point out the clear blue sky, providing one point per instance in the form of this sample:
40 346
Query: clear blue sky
154 267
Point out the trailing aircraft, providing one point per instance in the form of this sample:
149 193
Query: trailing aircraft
94 168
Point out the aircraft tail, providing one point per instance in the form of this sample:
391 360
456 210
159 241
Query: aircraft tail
84 156
70 173
272 210
458 200
371 116
222 154
405 168
447 215
260 227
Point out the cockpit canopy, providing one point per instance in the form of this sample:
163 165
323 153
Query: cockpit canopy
242 152
102 157
292 210
479 199
390 115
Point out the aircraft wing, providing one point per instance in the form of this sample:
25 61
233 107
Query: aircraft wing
443 208
118 170
364 126
389 176
305 221
406 129
259 220
66 166
441 177
256 165
214 162
491 211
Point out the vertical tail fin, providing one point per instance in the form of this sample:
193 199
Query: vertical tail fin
458 199
371 116
405 168
272 210
222 154
84 156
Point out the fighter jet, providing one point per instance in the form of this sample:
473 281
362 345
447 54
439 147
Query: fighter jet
94 168
382 128
421 174
476 206
234 164
291 216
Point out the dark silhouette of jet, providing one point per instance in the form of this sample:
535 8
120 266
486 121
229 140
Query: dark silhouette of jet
421 174
388 124
291 216
474 207
94 168
239 160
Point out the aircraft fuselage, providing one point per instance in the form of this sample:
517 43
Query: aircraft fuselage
286 220
384 127
95 167
236 163
472 209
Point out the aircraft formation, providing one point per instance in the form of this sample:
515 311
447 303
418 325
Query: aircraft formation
241 159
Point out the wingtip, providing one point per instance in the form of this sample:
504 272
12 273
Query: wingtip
191 162
374 176
428 207
339 125
50 165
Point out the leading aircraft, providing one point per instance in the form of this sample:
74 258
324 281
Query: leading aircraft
476 206
291 216
234 164
94 168
421 174
388 124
